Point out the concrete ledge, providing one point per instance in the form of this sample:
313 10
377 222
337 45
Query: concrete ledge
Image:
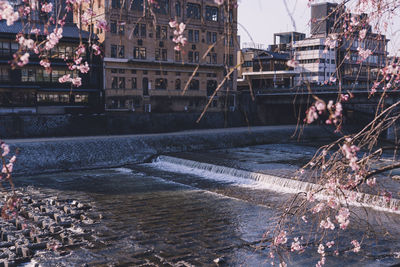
73 153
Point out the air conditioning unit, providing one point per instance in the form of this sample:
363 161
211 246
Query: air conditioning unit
140 42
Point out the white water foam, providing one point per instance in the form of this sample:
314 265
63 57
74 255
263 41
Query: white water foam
264 181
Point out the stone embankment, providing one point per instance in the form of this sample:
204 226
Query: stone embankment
75 153
44 223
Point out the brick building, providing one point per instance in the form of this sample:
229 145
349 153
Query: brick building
143 72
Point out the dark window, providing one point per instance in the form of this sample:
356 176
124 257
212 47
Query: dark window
137 5
143 30
161 54
161 83
178 84
114 49
4 48
193 11
134 83
113 27
178 56
211 58
211 37
211 86
121 51
196 36
211 13
115 3
161 7
114 82
178 9
121 82
194 85
161 32
121 28
190 36
139 53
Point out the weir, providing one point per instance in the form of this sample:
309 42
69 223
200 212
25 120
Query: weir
272 182
75 153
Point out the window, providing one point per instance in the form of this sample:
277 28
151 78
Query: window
228 59
140 30
121 51
121 82
137 5
28 75
114 49
193 57
178 56
161 83
121 28
114 82
211 13
178 84
162 32
193 11
4 48
4 74
115 3
211 37
211 86
178 9
14 48
113 27
161 7
212 58
134 83
193 36
139 53
194 85
81 98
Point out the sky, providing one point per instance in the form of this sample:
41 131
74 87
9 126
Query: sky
262 18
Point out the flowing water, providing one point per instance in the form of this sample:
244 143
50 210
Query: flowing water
187 209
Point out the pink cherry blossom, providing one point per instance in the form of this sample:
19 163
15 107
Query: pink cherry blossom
356 245
45 63
47 7
23 60
280 239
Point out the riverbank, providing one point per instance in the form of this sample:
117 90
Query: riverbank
43 155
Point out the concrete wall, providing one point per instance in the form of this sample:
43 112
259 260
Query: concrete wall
22 126
73 153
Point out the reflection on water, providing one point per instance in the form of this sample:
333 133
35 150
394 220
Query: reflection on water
162 218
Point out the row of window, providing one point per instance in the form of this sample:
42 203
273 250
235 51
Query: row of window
160 84
62 98
59 51
41 75
161 54
159 72
317 60
193 11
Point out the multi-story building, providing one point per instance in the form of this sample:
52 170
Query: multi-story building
143 72
264 69
329 20
316 62
32 89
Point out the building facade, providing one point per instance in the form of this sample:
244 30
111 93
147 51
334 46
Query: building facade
33 90
264 70
143 72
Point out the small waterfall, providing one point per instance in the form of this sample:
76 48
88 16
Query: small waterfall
274 183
